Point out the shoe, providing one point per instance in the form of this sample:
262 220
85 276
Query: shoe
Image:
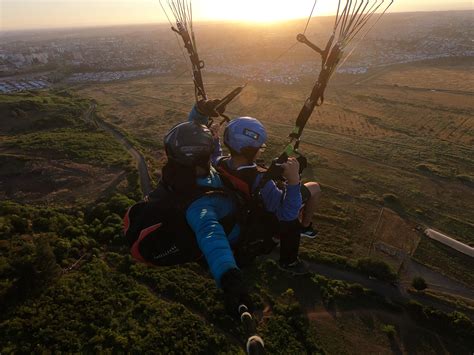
309 231
297 267
276 240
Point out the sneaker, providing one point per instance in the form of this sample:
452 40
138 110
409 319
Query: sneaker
297 267
276 240
309 231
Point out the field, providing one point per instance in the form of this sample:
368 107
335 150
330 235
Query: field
400 137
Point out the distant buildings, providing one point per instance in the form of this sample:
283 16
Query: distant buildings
11 86
111 76
100 55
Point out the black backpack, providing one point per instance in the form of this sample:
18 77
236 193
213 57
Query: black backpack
157 231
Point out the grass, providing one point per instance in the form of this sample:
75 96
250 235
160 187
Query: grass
32 111
50 124
76 144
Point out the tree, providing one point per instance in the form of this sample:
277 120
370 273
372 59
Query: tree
389 330
419 283
376 268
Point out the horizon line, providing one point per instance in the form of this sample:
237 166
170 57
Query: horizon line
98 26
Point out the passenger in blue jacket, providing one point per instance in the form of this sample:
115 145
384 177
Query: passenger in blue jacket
188 170
245 136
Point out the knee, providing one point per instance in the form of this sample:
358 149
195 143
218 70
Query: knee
314 188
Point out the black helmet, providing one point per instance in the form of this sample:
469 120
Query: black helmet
189 144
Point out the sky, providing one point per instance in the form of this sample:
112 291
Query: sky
31 14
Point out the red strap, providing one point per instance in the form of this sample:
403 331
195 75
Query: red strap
239 184
135 248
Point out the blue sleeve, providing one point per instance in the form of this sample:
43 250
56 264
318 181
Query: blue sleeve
195 116
202 217
285 204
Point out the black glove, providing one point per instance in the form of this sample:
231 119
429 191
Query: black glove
275 171
235 292
303 162
208 108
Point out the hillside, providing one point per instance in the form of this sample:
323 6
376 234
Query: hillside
49 153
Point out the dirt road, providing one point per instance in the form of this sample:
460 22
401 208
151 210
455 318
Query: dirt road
145 181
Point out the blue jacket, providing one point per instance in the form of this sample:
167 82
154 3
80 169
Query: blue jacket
285 203
203 217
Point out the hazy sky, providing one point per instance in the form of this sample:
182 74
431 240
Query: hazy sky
22 14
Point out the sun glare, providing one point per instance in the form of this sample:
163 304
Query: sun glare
266 11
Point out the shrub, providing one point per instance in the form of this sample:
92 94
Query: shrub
419 283
466 179
41 224
389 330
376 268
107 234
428 168
119 204
5 227
19 224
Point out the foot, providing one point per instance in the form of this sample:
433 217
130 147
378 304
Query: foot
297 267
309 231
276 240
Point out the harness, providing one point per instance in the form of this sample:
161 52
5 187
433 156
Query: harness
157 230
259 225
241 180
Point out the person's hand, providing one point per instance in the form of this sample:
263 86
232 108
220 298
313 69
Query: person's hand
215 130
291 171
208 108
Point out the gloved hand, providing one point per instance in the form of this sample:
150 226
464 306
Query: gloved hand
235 292
275 171
303 162
208 108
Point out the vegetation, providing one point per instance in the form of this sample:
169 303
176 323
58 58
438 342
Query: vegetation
389 330
419 283
456 323
50 302
68 284
366 266
77 144
52 124
33 111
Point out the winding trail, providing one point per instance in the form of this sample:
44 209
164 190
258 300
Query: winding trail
145 181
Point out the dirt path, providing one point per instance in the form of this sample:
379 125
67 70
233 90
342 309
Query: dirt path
435 280
145 181
395 292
